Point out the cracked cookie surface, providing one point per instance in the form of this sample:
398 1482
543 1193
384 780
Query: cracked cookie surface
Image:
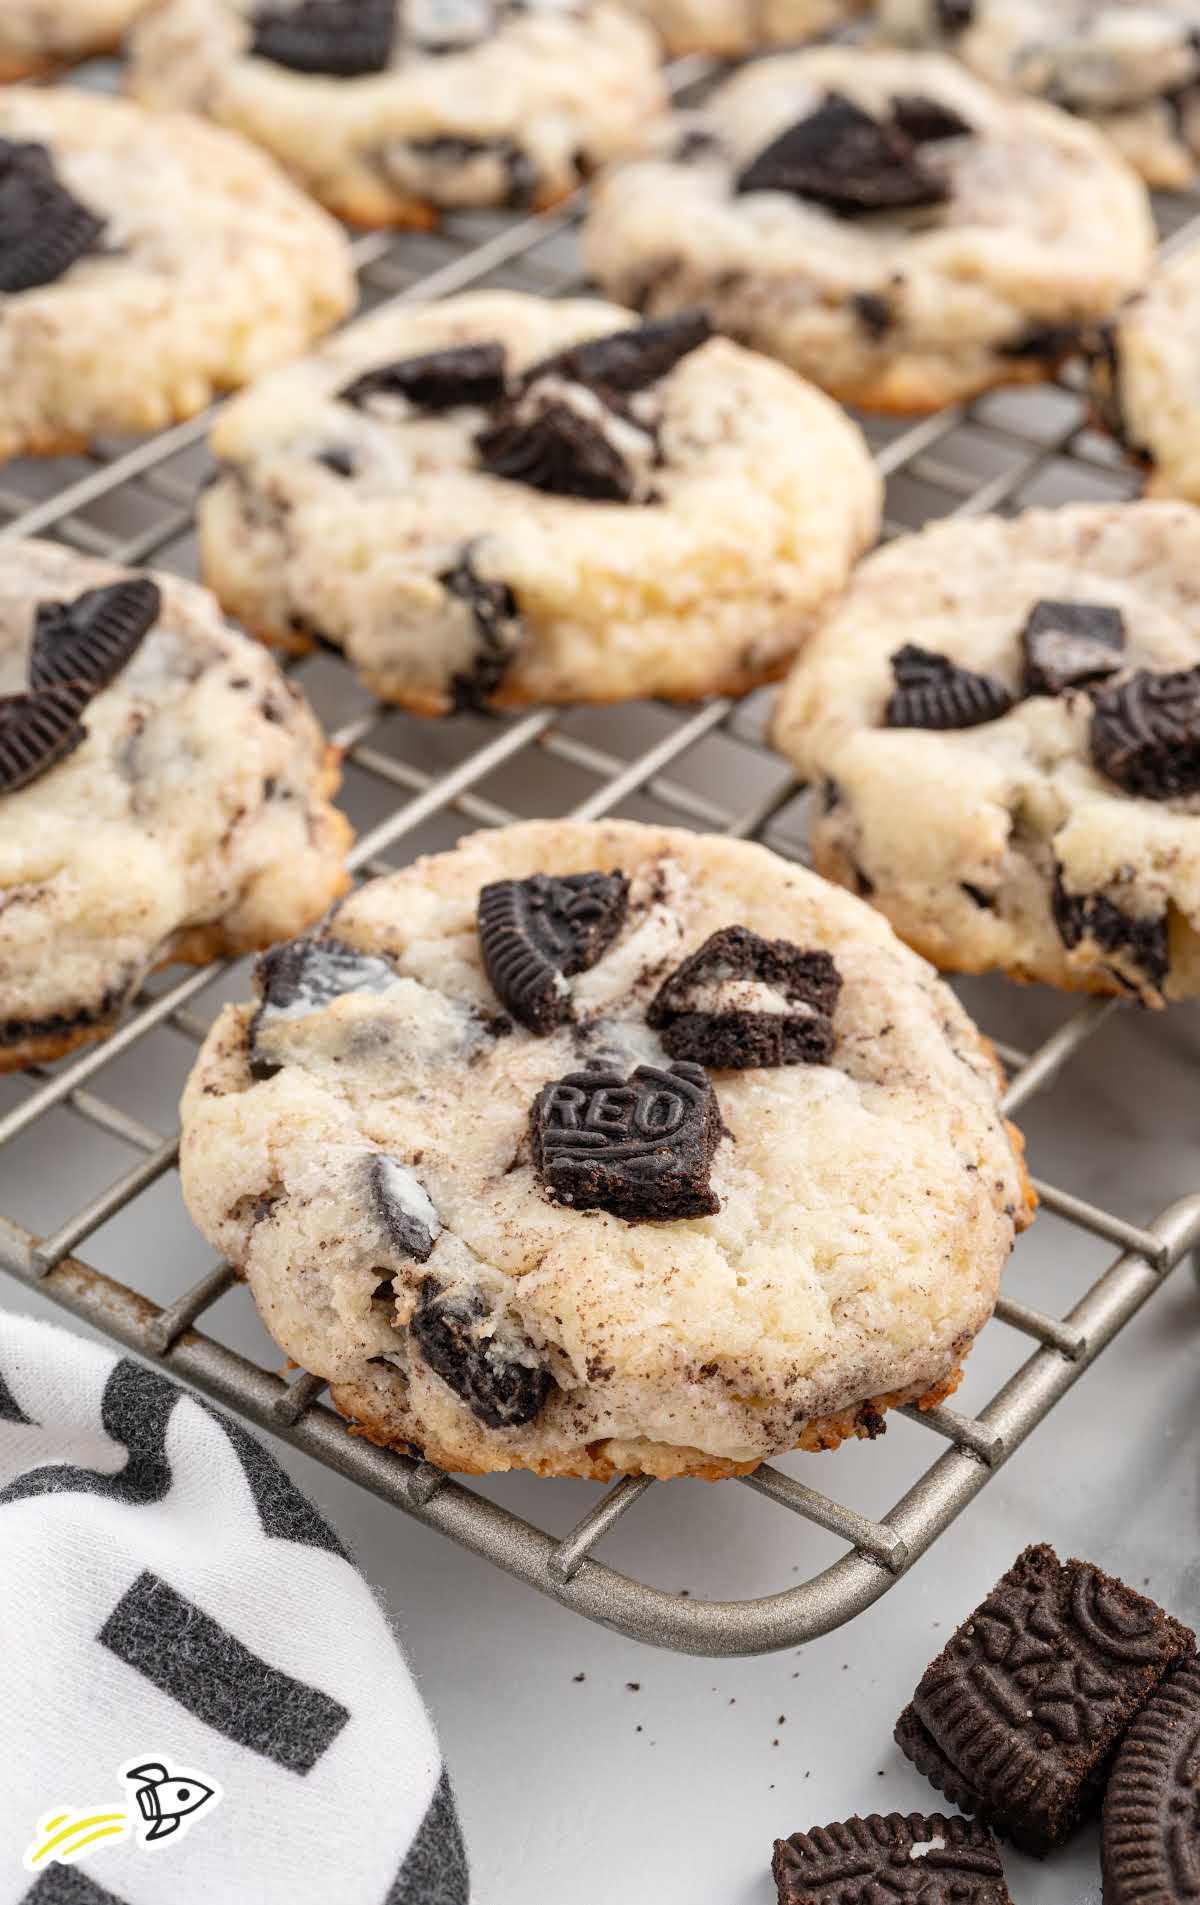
1132 67
183 813
1058 839
431 105
884 222
656 515
461 1221
197 247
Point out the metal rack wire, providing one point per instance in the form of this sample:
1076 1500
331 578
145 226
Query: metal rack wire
414 786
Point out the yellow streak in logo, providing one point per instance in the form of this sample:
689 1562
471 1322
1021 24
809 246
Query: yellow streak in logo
79 1825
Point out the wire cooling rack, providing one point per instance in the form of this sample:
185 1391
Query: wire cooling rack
411 787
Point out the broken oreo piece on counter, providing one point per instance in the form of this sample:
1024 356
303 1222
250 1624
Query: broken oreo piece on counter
842 158
38 730
1020 1715
435 380
534 934
1145 734
640 1148
488 1361
1150 1845
741 1001
94 637
340 39
1070 645
930 1860
934 692
303 976
44 229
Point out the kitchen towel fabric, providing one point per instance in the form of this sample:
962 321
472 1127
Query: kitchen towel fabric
200 1699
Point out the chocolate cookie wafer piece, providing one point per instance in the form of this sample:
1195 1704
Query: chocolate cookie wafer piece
1151 1836
932 1859
1020 1715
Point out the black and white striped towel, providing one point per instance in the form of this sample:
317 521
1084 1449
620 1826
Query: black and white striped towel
194 1677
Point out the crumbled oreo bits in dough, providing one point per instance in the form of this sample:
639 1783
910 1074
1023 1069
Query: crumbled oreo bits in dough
741 1001
570 428
341 39
38 730
536 933
852 164
94 637
1145 734
302 976
639 1148
1137 947
498 627
44 229
487 1360
933 692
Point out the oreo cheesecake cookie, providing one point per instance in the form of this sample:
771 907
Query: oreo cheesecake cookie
727 29
1144 382
883 222
1011 771
501 499
594 1148
39 37
147 261
394 111
164 794
1132 67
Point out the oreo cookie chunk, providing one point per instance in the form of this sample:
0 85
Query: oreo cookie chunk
935 1860
1145 734
94 637
1020 1715
843 158
38 730
44 229
1150 1843
640 1148
1070 645
435 380
301 977
339 38
498 628
1135 950
742 1001
487 1359
406 1212
535 934
574 427
934 692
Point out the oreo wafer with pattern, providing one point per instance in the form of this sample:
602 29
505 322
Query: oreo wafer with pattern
94 637
1027 1703
37 730
1151 1835
932 1859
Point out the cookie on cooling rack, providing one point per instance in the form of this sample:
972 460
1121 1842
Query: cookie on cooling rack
727 28
41 36
163 794
595 1148
393 111
146 261
1132 67
882 221
1144 378
501 499
1001 724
